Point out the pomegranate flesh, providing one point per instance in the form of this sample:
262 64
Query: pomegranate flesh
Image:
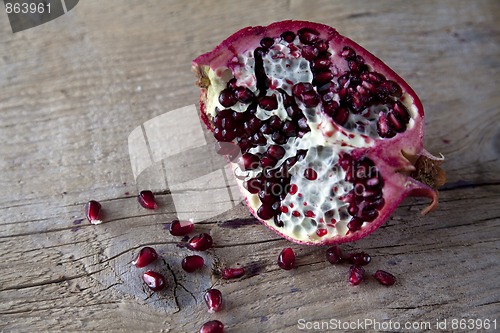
331 138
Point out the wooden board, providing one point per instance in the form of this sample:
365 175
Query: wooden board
73 89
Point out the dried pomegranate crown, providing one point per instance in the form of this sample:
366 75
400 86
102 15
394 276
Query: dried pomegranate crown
331 139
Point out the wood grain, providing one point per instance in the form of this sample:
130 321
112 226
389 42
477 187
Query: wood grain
73 89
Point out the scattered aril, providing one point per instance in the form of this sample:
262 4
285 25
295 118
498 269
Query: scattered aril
385 278
334 255
192 263
286 259
146 256
360 258
201 242
213 326
92 211
213 299
181 228
356 275
232 273
147 199
154 280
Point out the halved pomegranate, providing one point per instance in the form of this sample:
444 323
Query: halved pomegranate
331 138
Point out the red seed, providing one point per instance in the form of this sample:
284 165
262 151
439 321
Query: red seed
181 228
360 258
200 242
154 280
293 189
310 174
213 299
92 211
334 255
232 273
286 259
213 326
147 200
192 263
385 278
146 256
356 275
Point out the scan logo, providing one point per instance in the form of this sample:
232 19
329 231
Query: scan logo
26 14
171 152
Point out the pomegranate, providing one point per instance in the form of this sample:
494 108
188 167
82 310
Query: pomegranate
331 138
213 299
146 256
93 212
213 326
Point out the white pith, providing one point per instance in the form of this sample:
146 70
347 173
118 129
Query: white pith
324 143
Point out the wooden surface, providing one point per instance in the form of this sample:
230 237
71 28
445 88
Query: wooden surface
72 90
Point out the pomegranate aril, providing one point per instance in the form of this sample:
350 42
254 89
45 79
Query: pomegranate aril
385 278
309 52
146 256
227 98
244 95
213 299
201 242
334 255
92 211
286 259
360 258
355 224
269 103
154 280
232 273
278 138
347 53
310 174
253 185
276 152
192 263
265 211
249 161
213 326
147 199
356 275
181 228
267 42
289 129
288 36
308 36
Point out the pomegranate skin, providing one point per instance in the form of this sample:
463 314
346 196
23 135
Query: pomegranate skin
395 149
